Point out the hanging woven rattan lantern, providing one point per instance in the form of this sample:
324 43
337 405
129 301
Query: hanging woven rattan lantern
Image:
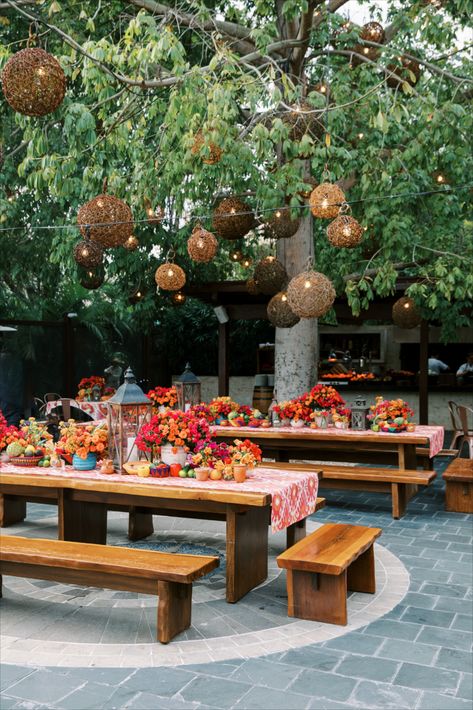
310 294
345 230
373 32
202 245
279 311
407 70
232 218
136 296
252 287
281 225
131 243
33 82
170 277
236 256
110 220
212 152
246 262
405 313
325 200
92 279
88 253
270 275
178 298
302 119
306 193
440 178
154 216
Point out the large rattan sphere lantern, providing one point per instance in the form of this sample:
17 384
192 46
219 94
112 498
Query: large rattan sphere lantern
405 313
33 82
131 243
110 220
325 200
406 70
232 218
202 245
170 277
303 118
88 254
281 225
345 231
280 313
252 287
310 294
210 153
92 280
373 32
270 275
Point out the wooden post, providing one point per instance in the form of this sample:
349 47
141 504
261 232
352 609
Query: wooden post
424 373
68 358
223 370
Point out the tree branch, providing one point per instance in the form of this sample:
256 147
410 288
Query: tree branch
399 266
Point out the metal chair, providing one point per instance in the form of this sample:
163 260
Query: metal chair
65 407
456 424
51 397
464 414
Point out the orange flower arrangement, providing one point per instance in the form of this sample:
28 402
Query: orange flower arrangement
295 409
163 397
82 440
172 427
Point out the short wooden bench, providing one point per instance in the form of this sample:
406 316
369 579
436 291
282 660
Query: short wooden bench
459 486
322 566
400 484
169 576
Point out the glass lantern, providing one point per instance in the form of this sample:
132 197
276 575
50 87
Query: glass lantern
128 410
188 388
359 414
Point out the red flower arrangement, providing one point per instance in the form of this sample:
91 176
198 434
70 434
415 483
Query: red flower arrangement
172 427
323 397
390 415
295 409
245 452
8 433
208 453
87 384
163 397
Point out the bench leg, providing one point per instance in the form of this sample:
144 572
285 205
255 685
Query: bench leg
174 609
295 532
399 498
361 574
317 597
12 510
140 523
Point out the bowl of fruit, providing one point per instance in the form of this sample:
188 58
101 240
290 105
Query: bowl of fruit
24 455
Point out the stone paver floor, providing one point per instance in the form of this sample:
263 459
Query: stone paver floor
415 655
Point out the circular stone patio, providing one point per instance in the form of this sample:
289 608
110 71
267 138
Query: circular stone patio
45 623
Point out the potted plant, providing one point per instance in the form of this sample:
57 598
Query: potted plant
295 411
390 415
174 433
341 418
322 418
163 398
224 409
244 454
323 398
206 456
86 444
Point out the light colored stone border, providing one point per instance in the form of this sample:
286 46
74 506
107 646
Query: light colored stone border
362 610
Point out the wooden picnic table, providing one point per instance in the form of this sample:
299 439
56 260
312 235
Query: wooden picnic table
282 499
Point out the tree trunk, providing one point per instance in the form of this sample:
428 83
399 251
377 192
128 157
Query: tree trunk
296 348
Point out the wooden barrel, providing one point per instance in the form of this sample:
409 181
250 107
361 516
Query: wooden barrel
262 397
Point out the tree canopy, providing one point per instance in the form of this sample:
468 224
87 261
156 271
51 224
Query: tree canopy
145 78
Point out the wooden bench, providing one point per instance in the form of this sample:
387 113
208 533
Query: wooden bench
459 486
169 576
400 484
322 566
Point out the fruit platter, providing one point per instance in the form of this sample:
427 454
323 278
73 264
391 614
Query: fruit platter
27 444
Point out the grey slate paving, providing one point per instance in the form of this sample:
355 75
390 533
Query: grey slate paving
260 671
417 615
258 698
465 689
455 659
368 667
313 657
445 637
409 651
414 675
356 643
326 685
434 701
215 692
384 695
12 674
44 686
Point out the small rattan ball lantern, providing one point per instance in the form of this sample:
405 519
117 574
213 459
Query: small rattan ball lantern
302 119
325 200
170 277
311 184
87 253
310 294
405 313
154 216
270 275
33 82
408 70
202 245
92 280
136 296
345 231
178 298
210 153
246 262
110 220
236 256
279 311
373 32
131 243
252 287
281 225
232 218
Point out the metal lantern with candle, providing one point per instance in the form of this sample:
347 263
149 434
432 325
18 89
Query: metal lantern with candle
359 414
128 410
188 388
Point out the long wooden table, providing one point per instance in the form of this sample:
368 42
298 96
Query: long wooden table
287 443
83 505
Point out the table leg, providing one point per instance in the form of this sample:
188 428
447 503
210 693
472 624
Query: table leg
247 550
295 532
407 459
81 521
12 510
140 523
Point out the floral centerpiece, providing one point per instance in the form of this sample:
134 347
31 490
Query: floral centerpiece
224 409
174 433
245 453
93 388
165 397
209 453
341 417
85 444
390 415
8 433
323 397
296 410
